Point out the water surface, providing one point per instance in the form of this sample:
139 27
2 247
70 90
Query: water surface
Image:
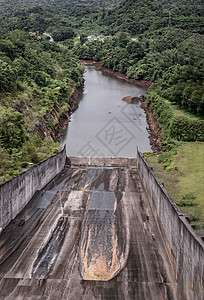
103 124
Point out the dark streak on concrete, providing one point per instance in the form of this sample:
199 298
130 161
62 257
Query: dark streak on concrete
107 206
47 256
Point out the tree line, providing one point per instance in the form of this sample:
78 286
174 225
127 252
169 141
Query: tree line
37 79
160 41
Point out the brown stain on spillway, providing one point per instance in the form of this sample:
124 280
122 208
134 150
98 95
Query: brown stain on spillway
97 268
116 237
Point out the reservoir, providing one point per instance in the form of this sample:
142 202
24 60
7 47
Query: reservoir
103 124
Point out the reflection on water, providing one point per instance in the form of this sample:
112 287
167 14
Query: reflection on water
103 124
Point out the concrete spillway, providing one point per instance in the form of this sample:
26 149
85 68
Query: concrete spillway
89 234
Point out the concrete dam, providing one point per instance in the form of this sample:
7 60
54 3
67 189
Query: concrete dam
95 228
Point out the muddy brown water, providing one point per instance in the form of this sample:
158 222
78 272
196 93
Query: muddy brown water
103 124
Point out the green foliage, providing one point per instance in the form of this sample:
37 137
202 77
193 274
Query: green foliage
37 78
185 129
62 33
187 200
24 164
33 151
166 158
7 77
12 131
180 128
169 145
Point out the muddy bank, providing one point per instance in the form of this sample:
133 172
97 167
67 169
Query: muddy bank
115 73
90 62
154 129
64 119
125 77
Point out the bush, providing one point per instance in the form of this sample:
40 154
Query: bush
161 110
187 200
24 164
169 145
34 158
185 129
179 128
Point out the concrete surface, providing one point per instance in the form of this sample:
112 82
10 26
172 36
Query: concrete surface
184 247
90 234
17 192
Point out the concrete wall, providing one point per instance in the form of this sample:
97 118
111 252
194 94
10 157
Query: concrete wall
17 192
102 161
185 249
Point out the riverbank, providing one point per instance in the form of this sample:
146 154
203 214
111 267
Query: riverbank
115 73
65 117
125 77
154 129
90 62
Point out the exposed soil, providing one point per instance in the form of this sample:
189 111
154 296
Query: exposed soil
125 77
154 129
90 62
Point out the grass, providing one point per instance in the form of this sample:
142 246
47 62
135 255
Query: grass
182 112
184 181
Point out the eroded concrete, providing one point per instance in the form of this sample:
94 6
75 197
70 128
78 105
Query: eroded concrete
94 238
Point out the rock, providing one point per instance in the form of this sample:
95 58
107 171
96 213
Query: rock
131 99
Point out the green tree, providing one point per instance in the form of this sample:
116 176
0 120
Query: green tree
12 131
7 77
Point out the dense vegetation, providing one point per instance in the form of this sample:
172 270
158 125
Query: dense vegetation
62 6
173 59
157 40
37 79
169 56
167 49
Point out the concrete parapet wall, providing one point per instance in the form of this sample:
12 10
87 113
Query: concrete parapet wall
185 249
17 192
102 161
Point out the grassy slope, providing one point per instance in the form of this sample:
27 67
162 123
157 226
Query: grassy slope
180 111
186 180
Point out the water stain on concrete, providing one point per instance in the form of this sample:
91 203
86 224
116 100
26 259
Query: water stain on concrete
92 236
99 251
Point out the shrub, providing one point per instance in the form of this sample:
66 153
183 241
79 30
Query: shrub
34 158
24 164
187 200
185 129
180 128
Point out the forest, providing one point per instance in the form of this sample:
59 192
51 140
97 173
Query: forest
161 41
37 79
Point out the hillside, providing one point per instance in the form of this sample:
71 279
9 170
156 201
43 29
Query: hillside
37 81
160 41
136 17
62 6
102 17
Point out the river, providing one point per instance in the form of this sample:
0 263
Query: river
103 124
